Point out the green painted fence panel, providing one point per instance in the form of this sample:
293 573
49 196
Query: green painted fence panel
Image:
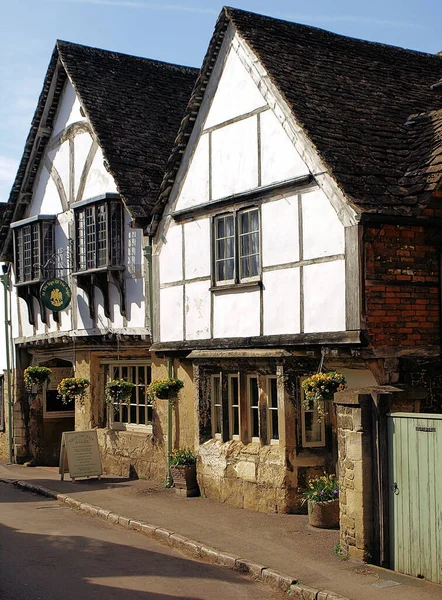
415 479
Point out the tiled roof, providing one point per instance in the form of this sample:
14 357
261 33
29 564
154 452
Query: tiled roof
368 108
134 105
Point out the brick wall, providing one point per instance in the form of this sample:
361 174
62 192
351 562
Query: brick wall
402 297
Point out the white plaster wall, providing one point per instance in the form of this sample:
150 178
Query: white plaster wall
323 233
83 319
171 257
40 327
68 111
171 314
101 319
82 145
236 94
197 248
280 233
324 297
136 304
61 163
235 158
279 159
27 330
281 302
236 314
195 189
45 199
98 181
197 310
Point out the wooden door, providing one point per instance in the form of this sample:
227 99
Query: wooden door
415 479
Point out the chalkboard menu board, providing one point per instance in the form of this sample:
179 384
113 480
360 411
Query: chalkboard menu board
79 454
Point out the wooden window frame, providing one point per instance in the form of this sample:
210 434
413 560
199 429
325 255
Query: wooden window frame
216 381
271 440
30 261
237 280
90 216
305 444
232 407
251 408
127 425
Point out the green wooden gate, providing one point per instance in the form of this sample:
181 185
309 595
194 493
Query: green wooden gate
415 480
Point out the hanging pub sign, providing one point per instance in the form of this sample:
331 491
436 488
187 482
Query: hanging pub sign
55 294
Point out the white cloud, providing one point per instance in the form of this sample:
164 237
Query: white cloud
139 4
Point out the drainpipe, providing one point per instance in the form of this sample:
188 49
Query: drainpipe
148 255
5 281
169 481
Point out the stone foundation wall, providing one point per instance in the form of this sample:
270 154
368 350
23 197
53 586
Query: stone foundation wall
247 476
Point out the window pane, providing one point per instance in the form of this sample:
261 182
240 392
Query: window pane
253 394
275 429
244 219
81 242
48 250
229 225
233 406
101 211
90 237
245 267
221 248
216 405
220 228
116 233
254 220
245 245
220 271
36 260
254 266
273 399
230 269
27 254
254 237
312 427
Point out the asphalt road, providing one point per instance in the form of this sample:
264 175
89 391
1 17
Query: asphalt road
50 552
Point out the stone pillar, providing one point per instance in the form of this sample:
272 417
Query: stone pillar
361 469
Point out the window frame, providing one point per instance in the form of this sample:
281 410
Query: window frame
99 241
238 279
232 407
251 408
216 435
32 250
270 439
305 444
127 426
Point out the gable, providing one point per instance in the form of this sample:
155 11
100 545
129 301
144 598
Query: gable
242 145
72 166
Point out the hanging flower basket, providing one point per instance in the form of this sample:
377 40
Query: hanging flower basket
72 388
164 389
119 390
36 377
320 388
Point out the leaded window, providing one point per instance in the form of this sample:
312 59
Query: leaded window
34 251
99 235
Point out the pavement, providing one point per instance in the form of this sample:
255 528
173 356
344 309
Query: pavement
283 551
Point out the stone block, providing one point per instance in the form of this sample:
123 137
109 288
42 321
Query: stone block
246 470
175 539
103 514
123 521
302 592
209 554
277 580
232 491
353 446
113 518
226 560
162 535
248 567
136 525
326 595
259 497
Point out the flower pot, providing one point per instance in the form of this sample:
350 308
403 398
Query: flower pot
324 515
184 479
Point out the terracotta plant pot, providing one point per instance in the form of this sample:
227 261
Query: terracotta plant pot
324 514
184 479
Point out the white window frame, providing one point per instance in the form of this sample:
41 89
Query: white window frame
122 426
270 409
232 407
217 435
321 443
251 408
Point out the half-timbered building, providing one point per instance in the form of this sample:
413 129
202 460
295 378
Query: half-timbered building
298 234
90 173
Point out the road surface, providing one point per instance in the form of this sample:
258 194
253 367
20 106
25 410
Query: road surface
48 551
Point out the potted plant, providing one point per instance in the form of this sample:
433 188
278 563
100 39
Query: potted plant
320 388
72 388
164 389
118 390
182 463
36 378
322 498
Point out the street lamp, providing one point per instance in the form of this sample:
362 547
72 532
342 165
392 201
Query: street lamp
5 279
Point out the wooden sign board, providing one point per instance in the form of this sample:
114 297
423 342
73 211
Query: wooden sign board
79 455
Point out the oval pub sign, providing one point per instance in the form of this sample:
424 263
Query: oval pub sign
55 294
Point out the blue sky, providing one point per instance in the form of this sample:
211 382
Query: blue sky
176 31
